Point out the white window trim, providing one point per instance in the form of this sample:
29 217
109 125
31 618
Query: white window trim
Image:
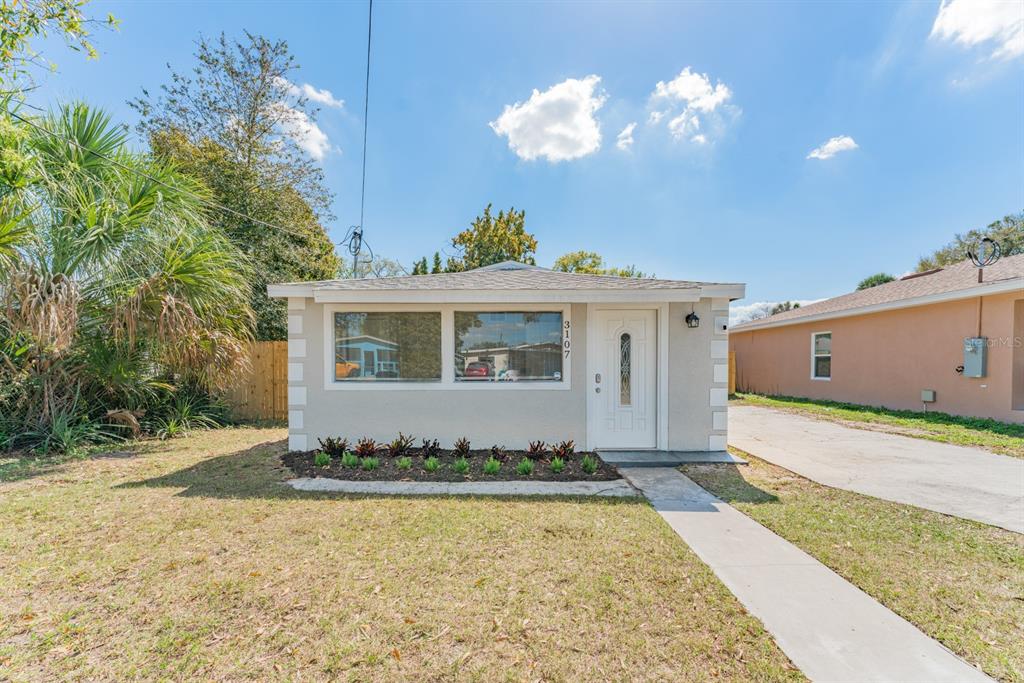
447 381
814 336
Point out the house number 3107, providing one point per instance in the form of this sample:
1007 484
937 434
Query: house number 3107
565 338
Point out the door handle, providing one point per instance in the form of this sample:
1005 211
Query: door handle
597 378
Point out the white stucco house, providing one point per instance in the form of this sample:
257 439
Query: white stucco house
509 354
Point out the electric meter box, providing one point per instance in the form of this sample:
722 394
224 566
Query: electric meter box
975 356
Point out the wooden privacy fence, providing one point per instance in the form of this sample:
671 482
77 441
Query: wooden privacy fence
732 373
261 393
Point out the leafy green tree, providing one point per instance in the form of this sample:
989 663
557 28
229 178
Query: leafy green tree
228 123
377 266
593 263
489 239
114 282
784 306
1007 231
24 22
493 239
875 280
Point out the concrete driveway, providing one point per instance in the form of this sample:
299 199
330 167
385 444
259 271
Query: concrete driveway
965 482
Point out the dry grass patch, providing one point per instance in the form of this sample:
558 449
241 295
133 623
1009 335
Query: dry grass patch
194 561
959 581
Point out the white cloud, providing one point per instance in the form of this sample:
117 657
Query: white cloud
972 22
841 143
625 138
700 102
695 89
313 94
755 311
557 124
304 131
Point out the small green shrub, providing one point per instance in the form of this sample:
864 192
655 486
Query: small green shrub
460 466
404 463
589 464
366 447
462 447
537 450
431 464
430 447
492 466
557 464
369 464
334 446
564 449
525 467
321 459
400 445
350 459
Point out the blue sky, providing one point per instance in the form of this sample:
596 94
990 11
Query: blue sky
926 119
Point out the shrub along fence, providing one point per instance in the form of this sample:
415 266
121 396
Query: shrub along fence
261 393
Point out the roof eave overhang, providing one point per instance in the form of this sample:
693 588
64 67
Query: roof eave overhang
455 296
1016 284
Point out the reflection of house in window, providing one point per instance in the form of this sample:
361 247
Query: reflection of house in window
365 356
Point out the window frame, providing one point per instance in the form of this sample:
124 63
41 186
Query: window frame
815 355
448 382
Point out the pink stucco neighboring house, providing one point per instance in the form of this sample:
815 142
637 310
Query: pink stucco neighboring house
900 345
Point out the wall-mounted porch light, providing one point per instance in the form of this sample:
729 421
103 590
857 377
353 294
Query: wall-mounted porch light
692 319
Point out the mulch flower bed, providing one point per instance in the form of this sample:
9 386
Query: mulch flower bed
301 463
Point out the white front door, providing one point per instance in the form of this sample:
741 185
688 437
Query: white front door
623 378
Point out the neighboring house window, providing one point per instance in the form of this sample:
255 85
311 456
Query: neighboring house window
821 355
508 346
399 346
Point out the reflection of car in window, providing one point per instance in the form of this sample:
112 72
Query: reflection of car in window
343 369
478 370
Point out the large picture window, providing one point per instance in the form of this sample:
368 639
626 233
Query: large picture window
821 355
400 346
508 346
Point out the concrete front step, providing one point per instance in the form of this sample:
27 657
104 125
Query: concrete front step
668 458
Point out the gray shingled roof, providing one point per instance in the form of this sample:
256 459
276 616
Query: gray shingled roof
503 276
962 276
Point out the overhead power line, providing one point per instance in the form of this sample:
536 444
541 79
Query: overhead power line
354 239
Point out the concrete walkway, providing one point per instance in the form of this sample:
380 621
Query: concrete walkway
829 628
965 482
614 487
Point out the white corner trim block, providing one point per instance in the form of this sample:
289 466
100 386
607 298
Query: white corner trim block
296 304
721 373
296 348
719 348
295 324
716 442
295 372
296 442
720 421
297 396
719 397
295 419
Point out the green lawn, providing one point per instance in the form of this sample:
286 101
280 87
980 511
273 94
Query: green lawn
998 437
961 582
193 560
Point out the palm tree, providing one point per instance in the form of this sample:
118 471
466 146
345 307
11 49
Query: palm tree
112 282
